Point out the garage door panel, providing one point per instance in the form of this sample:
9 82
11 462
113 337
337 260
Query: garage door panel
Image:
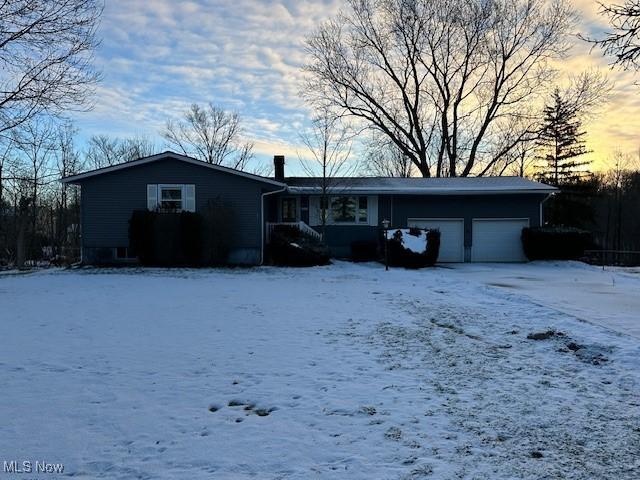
451 236
498 240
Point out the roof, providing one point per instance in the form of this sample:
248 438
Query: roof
363 185
419 185
162 156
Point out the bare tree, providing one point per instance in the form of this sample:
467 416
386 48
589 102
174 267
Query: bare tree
440 78
328 143
35 148
384 159
104 151
210 134
67 162
6 151
45 57
623 41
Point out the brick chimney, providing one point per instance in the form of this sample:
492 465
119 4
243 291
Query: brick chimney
278 167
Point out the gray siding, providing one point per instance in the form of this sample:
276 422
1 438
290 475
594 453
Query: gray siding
467 207
339 237
109 199
399 208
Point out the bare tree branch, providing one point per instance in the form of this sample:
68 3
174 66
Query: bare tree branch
438 77
46 49
210 134
623 41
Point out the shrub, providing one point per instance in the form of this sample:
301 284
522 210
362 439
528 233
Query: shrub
166 239
218 227
191 238
289 246
555 243
433 246
405 248
141 235
364 251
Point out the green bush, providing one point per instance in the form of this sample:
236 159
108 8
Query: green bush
401 256
555 243
289 246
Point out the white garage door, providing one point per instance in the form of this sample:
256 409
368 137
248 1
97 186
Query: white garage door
498 240
451 236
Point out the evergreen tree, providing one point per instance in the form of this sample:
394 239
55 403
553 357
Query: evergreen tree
561 143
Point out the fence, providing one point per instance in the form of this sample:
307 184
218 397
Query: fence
624 258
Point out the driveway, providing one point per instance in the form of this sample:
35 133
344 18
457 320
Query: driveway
609 297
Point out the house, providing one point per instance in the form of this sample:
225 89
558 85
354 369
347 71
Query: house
480 219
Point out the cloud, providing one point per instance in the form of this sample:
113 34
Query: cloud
158 57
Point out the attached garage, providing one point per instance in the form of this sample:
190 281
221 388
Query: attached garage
451 236
498 239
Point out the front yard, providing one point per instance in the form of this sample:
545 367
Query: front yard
345 371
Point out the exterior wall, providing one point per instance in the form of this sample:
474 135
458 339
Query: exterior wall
339 237
108 200
399 208
467 207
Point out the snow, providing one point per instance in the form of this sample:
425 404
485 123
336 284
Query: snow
138 373
414 243
609 297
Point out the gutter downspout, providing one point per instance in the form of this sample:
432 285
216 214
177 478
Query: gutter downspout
541 207
262 224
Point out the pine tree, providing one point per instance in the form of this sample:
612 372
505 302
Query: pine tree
561 143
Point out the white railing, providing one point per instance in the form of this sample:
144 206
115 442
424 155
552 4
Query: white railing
303 227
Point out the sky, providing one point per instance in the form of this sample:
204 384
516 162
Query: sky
159 56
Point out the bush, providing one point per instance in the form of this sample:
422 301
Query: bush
364 251
433 246
141 235
289 246
555 243
166 239
218 228
402 248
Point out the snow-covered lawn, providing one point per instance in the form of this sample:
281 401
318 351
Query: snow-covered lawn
345 371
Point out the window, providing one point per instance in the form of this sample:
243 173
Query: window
363 217
349 210
289 210
170 198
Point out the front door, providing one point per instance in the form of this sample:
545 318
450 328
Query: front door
289 209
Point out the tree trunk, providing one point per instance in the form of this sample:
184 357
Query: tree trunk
20 243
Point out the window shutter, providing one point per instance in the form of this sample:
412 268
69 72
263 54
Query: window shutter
372 206
190 198
314 211
152 197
